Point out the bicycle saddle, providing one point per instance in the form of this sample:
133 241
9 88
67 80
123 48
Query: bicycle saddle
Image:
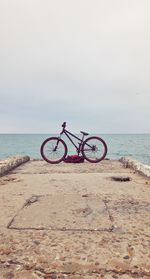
85 134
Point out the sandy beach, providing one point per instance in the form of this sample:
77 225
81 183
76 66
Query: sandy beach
74 221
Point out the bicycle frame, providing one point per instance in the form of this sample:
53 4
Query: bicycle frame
93 148
67 133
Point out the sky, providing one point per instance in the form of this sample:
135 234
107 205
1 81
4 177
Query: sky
86 62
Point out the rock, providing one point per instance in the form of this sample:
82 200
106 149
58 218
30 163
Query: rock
29 266
131 251
121 178
126 257
36 242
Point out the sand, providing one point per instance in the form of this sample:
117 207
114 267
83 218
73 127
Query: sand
74 221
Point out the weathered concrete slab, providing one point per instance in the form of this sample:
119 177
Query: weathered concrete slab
64 212
78 212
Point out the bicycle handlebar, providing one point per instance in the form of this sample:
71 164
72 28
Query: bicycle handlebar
64 125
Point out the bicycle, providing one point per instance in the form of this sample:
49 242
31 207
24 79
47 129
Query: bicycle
54 150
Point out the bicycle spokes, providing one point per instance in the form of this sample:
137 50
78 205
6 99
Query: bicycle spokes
94 149
53 150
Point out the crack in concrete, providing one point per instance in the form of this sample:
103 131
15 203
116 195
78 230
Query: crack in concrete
111 218
63 230
32 199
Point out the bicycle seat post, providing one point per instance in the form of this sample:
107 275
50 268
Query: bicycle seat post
80 144
82 138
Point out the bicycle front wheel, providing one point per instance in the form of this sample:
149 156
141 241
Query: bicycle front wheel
94 149
53 150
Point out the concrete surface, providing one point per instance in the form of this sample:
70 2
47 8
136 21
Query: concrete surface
74 221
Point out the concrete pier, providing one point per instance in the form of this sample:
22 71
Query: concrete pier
74 221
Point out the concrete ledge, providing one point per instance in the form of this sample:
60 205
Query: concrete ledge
129 162
11 163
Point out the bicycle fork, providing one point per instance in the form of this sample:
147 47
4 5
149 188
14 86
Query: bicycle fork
55 148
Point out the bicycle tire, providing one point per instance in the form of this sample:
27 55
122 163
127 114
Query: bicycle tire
88 144
44 153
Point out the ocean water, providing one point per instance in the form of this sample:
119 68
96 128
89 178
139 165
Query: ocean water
134 145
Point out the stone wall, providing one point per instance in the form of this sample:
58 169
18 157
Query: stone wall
137 166
11 163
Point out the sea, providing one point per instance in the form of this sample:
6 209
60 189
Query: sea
136 146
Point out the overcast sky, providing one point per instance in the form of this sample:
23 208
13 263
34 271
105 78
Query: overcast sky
86 62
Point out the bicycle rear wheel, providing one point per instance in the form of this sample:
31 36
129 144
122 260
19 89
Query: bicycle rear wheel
94 149
53 150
